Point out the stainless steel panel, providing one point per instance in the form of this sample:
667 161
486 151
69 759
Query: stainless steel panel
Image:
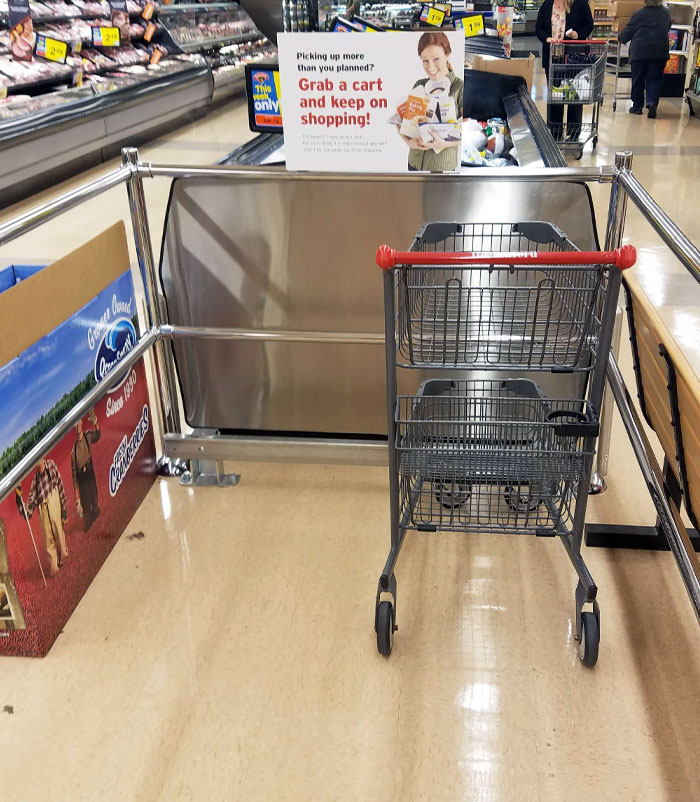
298 254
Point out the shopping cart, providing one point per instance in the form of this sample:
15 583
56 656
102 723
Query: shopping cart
576 78
618 66
475 454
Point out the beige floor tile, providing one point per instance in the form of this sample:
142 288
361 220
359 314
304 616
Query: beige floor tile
229 654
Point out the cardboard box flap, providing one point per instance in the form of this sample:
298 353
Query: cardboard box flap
41 302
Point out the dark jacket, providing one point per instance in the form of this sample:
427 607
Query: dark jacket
648 33
579 19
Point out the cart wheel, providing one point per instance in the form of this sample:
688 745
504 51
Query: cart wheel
453 495
520 501
590 639
578 154
614 105
385 628
595 142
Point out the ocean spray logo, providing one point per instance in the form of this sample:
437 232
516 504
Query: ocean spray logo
126 453
117 341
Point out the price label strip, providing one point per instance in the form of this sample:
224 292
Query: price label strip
430 15
51 49
106 37
472 26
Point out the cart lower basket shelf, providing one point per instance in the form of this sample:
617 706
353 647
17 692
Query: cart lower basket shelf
491 456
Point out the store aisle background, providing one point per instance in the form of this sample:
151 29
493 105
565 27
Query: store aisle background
229 653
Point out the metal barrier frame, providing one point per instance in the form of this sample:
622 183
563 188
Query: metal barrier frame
176 446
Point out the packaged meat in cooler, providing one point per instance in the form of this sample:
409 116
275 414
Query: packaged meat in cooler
39 10
60 9
97 58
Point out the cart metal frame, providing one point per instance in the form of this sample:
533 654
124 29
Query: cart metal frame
205 453
573 61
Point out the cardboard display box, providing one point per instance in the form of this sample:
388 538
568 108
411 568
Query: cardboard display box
620 23
525 67
64 327
624 8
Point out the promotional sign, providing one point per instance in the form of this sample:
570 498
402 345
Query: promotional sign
51 49
342 25
21 30
504 26
120 19
60 524
368 103
106 37
264 98
366 25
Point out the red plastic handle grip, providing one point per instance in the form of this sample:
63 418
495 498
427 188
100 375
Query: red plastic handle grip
622 258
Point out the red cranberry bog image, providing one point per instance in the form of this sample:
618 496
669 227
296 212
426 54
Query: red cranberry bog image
67 326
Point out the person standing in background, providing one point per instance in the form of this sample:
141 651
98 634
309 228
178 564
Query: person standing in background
647 32
84 482
557 21
46 494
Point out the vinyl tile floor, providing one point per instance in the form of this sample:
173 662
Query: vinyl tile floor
229 654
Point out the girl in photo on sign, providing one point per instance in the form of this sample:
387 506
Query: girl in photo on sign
431 117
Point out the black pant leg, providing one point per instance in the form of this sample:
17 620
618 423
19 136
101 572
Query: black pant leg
555 113
574 115
654 77
638 68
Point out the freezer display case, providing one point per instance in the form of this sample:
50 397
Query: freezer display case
171 64
224 33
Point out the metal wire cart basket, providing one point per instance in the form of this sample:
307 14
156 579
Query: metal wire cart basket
576 78
475 454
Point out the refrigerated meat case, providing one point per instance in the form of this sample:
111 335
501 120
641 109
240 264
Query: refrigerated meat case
57 118
486 95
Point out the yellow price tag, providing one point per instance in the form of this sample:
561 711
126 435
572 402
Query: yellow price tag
473 26
106 37
51 49
432 16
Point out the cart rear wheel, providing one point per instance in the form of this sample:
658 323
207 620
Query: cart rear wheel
595 142
453 495
521 500
614 105
385 627
578 154
590 639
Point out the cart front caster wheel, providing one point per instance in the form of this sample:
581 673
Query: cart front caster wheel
595 142
385 627
614 105
578 154
590 640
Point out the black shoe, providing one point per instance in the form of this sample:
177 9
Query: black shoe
651 114
635 110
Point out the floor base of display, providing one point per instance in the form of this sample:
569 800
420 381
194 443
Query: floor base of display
649 538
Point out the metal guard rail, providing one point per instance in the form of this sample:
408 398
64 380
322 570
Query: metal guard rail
132 171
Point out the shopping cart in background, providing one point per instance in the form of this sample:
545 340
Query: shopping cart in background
576 78
496 454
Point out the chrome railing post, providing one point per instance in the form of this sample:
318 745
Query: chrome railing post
617 211
156 314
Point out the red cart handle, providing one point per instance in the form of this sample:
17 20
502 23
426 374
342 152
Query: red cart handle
622 258
579 42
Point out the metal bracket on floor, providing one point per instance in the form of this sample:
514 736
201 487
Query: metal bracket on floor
207 472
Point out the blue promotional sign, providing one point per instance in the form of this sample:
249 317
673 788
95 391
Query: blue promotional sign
264 98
